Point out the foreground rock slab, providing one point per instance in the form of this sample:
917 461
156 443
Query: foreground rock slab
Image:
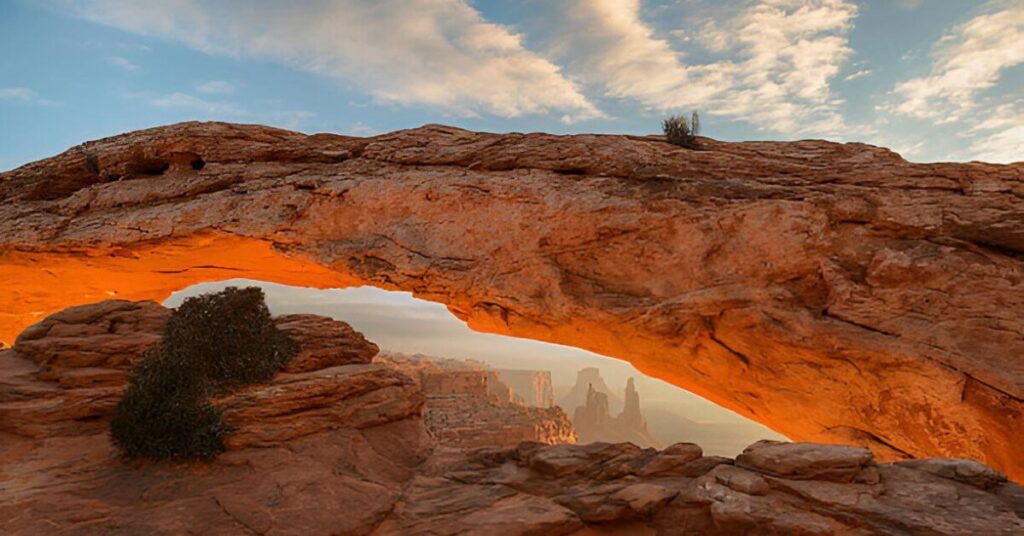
833 292
343 449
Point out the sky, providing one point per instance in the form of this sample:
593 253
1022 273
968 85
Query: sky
398 322
935 80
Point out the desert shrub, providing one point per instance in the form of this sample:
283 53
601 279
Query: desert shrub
679 131
211 344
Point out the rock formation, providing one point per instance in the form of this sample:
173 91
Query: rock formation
834 292
632 417
343 450
588 378
594 422
469 406
332 430
533 386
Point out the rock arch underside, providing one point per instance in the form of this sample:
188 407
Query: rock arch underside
834 292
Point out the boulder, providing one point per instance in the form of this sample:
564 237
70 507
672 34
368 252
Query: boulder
807 461
324 342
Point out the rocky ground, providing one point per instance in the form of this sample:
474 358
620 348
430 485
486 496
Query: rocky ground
336 444
833 292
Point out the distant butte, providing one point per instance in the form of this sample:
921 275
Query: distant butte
834 292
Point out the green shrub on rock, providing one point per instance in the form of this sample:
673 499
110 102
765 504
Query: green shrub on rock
679 131
212 343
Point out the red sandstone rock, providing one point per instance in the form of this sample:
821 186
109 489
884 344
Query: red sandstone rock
297 405
834 292
469 406
343 450
324 342
346 434
533 386
107 335
805 460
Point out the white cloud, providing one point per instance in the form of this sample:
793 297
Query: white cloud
439 53
26 95
18 93
961 92
786 54
200 108
216 87
122 62
1005 146
361 129
184 101
968 61
1000 136
859 74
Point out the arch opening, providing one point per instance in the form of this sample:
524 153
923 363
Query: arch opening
831 386
401 324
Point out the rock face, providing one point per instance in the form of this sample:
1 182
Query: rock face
68 372
798 488
594 422
469 406
343 450
587 378
833 292
532 386
313 439
324 342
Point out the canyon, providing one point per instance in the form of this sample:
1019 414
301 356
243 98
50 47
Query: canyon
470 405
336 443
833 292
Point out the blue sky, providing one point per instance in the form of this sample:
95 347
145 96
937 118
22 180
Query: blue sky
933 79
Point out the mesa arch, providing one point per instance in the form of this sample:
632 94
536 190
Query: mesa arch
833 292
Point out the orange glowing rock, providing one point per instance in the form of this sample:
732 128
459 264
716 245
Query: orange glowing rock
834 293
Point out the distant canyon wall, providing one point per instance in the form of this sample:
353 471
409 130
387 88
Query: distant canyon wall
469 405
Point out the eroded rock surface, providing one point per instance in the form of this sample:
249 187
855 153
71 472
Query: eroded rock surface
343 450
603 488
833 292
468 405
321 449
532 386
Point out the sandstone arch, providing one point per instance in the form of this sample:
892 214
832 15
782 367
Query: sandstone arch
835 293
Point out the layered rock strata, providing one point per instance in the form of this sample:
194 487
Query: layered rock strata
324 448
834 292
469 406
343 450
772 488
532 386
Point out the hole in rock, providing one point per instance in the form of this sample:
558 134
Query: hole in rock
411 332
140 164
197 163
